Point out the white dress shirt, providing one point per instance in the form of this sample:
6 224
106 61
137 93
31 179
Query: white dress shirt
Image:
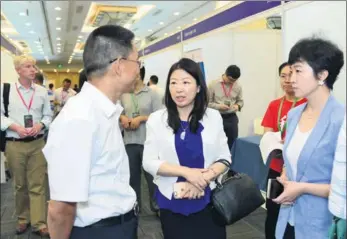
87 161
160 146
62 97
337 197
40 108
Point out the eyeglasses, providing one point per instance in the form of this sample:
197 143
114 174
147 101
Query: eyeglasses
140 63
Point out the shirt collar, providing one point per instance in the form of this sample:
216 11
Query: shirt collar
107 106
20 86
144 89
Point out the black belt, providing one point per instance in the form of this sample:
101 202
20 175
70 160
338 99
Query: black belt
26 140
106 222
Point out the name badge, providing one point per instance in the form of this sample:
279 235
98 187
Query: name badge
28 121
136 114
227 103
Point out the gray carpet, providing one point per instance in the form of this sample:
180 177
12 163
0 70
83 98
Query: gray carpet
251 227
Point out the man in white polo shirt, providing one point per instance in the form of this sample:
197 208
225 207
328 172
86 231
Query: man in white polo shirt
88 167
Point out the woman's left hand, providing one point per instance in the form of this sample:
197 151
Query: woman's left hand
292 190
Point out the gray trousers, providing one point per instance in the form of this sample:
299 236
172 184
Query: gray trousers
135 153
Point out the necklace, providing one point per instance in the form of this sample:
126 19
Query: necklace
183 134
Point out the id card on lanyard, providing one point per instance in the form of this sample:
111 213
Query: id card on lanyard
135 103
283 129
227 95
28 119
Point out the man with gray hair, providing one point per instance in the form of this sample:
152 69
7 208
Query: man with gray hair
88 166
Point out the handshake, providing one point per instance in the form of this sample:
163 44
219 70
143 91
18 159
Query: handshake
197 181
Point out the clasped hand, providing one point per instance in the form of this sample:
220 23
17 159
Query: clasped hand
198 179
25 132
292 190
132 124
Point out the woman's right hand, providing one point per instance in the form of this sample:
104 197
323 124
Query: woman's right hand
195 176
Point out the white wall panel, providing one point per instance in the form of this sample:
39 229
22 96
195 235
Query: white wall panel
326 19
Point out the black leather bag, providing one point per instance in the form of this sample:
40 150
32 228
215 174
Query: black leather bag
236 197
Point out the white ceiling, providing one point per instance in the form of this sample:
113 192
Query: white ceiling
40 25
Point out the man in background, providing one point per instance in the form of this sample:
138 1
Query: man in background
29 114
39 79
62 95
153 84
226 96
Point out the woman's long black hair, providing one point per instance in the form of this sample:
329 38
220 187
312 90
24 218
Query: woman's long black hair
200 101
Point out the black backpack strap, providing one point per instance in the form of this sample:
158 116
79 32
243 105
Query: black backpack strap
6 96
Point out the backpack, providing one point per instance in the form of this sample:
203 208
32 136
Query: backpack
5 97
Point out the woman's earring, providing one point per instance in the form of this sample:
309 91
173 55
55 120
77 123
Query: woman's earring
320 82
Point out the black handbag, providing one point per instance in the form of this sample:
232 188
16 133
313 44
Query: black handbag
236 197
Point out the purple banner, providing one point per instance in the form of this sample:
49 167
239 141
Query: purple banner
172 40
240 11
7 45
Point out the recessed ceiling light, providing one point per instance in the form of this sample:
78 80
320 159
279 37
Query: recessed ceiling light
57 8
58 18
80 36
165 34
55 70
161 23
68 70
178 27
58 28
22 14
150 30
58 44
28 24
195 19
37 42
58 38
176 13
32 32
78 40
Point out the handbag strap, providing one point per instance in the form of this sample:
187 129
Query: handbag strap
228 165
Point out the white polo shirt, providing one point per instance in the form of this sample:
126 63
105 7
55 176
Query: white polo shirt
87 161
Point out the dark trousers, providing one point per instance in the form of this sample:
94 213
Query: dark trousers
231 128
272 212
135 153
199 225
289 232
125 230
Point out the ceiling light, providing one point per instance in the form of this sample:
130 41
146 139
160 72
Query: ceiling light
22 14
48 63
78 40
150 30
80 36
37 42
176 13
161 23
55 70
57 8
165 34
178 27
32 32
58 44
73 53
58 28
58 39
58 18
28 24
137 39
195 19
68 70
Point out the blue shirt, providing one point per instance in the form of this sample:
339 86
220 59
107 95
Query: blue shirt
190 154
